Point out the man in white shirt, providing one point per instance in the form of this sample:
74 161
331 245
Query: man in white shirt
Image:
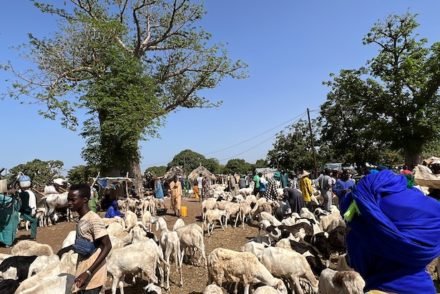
200 184
28 208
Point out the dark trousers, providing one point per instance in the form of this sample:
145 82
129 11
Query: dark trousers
33 221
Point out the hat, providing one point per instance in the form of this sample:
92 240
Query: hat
303 174
3 186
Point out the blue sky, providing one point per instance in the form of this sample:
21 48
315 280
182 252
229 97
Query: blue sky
290 46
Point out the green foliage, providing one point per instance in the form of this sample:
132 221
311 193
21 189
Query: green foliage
393 102
213 165
81 174
128 64
292 151
41 172
122 107
238 166
260 163
189 160
157 171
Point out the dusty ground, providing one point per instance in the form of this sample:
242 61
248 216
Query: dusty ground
194 278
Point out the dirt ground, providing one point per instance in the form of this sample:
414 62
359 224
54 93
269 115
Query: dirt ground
194 277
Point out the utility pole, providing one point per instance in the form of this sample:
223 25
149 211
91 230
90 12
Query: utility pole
312 143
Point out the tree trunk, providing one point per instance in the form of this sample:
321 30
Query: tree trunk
412 158
136 173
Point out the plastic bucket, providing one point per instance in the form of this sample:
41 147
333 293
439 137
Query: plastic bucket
183 211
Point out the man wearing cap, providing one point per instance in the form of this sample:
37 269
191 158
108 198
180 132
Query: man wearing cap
28 205
305 185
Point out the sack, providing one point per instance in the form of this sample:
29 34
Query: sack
25 181
83 247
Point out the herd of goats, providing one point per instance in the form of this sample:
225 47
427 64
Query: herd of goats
302 253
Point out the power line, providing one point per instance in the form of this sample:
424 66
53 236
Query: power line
254 146
258 135
295 119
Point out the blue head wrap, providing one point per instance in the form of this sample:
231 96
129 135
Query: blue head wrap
395 236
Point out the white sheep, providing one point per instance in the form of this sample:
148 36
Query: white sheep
53 279
290 265
245 210
191 238
208 204
232 209
134 258
147 219
170 243
254 248
211 216
226 265
331 221
266 290
29 248
43 262
178 224
267 216
343 282
152 289
213 289
130 220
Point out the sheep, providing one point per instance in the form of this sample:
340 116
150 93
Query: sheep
170 243
213 289
3 256
226 265
29 248
211 216
208 204
263 225
178 224
254 248
115 229
137 257
152 289
266 290
245 209
116 219
267 216
191 237
9 286
342 264
344 282
9 274
232 209
331 221
41 263
147 219
307 214
53 279
289 265
130 220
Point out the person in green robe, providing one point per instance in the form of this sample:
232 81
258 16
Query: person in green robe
9 217
93 201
